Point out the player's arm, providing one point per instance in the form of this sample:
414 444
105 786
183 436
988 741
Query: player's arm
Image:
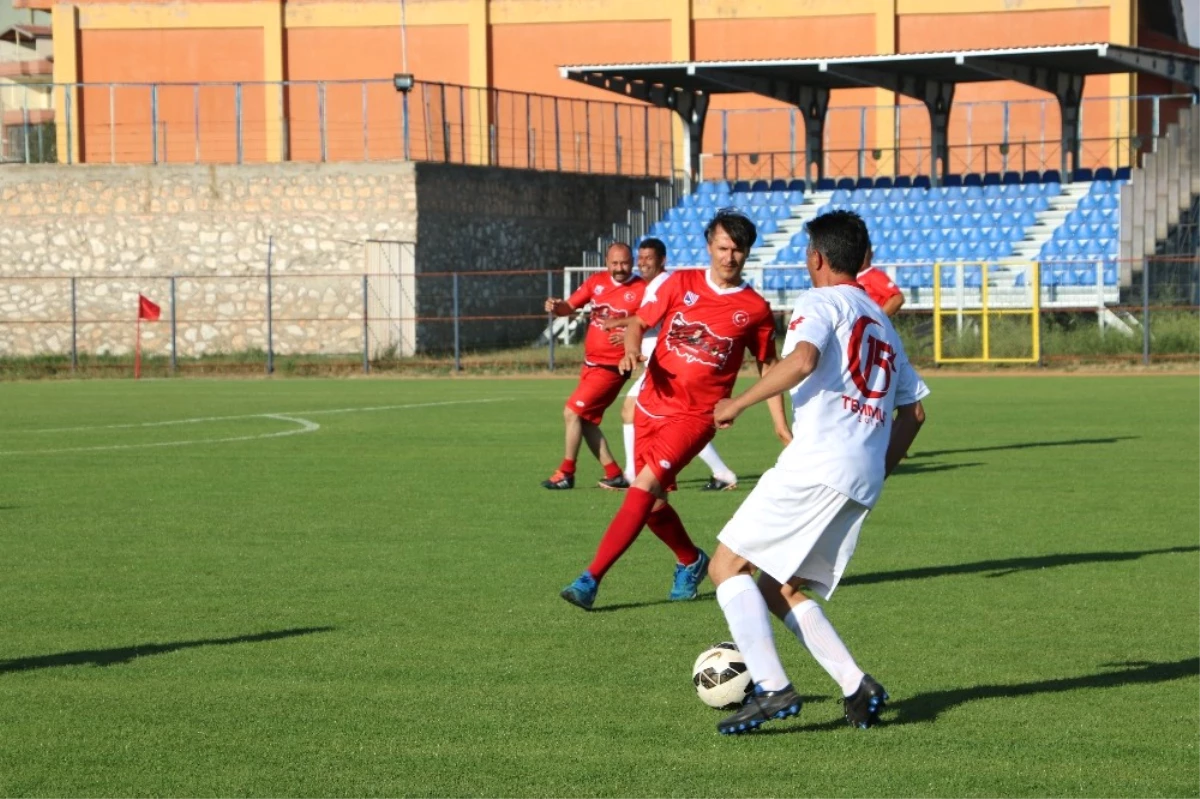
775 405
634 329
559 307
784 375
905 427
893 304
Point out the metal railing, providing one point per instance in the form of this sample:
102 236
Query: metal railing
366 120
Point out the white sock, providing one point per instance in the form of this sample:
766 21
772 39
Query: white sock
750 623
808 623
716 465
628 431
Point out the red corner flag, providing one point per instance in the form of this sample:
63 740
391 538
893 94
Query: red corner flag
148 310
151 313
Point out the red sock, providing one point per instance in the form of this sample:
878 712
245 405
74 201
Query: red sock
666 524
567 466
622 530
612 470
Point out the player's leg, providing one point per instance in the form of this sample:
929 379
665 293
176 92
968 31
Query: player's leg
670 445
828 551
614 478
749 622
627 431
620 534
564 476
723 478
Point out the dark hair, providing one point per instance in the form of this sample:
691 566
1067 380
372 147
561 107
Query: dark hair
652 243
736 224
842 238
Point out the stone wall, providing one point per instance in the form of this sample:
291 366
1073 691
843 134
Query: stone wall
108 233
121 231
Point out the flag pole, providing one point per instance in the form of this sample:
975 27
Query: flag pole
137 350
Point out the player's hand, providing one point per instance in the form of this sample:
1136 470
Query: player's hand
616 338
784 433
724 413
551 305
630 362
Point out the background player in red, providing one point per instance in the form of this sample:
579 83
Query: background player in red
709 319
614 293
879 286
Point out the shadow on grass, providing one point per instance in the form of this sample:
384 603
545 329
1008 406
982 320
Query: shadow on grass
631 605
1023 445
1006 566
126 654
925 708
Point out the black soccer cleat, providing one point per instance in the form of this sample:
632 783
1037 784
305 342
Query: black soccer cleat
761 707
559 481
862 708
618 483
714 484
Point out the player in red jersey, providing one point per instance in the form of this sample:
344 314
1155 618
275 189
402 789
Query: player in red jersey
709 319
880 287
614 294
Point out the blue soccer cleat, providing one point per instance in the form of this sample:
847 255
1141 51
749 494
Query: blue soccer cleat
582 592
688 578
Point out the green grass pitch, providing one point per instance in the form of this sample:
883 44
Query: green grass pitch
294 587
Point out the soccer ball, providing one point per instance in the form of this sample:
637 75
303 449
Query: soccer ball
720 676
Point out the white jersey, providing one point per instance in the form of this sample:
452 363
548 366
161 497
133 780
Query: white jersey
843 410
650 337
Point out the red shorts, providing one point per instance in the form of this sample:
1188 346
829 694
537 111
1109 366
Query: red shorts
598 387
667 444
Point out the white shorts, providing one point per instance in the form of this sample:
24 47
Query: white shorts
790 530
636 386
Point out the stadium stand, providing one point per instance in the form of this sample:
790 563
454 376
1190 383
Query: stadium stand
973 219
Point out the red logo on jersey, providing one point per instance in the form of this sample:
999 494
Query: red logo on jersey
630 296
879 354
696 343
601 312
795 323
741 318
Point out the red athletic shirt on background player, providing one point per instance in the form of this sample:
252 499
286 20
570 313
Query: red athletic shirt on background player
614 294
879 287
709 319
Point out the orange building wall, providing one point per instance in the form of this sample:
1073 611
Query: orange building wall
170 56
525 58
437 53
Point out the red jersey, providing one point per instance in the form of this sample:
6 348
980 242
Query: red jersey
705 334
610 300
878 285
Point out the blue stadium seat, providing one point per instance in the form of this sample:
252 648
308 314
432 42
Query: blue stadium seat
1083 275
1082 174
902 182
1011 178
1111 274
741 187
883 183
1001 249
778 184
1051 176
1104 173
921 182
949 180
1055 275
991 179
826 184
846 183
773 279
1123 173
1031 176
972 276
760 186
797 184
972 179
908 276
949 277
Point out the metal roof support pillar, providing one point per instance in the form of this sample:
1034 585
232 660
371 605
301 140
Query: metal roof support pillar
1069 91
938 98
813 102
692 108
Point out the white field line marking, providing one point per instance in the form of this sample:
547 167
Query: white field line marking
305 426
203 419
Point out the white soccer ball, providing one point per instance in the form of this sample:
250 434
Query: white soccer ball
721 677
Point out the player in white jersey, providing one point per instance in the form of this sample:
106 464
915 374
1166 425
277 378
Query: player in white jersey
856 402
652 262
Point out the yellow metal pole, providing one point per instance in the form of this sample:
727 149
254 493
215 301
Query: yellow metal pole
984 312
937 316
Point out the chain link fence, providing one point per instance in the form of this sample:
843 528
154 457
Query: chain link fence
391 318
